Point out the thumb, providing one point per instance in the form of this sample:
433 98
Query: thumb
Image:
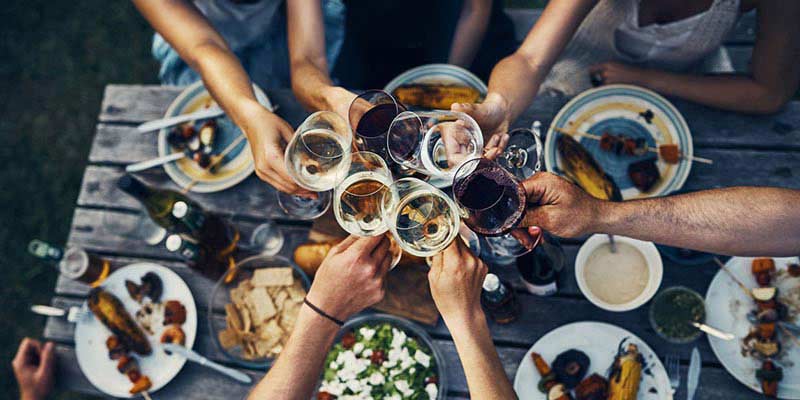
536 188
48 361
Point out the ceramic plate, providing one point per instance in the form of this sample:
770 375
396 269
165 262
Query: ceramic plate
443 74
238 164
91 335
729 306
599 341
623 109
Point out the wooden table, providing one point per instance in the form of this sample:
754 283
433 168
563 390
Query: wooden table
746 150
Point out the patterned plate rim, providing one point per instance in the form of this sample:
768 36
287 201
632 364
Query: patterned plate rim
428 69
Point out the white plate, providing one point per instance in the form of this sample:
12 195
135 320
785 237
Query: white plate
91 335
238 164
619 109
728 306
599 341
443 74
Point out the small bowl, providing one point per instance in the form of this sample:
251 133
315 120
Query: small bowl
651 256
220 296
677 340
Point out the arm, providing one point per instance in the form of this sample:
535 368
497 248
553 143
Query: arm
311 82
773 80
355 262
515 80
196 41
469 33
735 221
456 277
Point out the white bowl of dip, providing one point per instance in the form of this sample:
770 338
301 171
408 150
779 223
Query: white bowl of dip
620 281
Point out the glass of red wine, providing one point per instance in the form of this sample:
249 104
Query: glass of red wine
370 115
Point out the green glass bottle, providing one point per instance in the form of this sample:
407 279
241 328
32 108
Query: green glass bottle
210 229
157 202
197 256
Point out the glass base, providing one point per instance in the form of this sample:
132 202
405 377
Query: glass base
267 239
506 246
522 154
304 207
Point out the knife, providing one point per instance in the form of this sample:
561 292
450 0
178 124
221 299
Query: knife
693 375
193 356
713 331
157 124
154 162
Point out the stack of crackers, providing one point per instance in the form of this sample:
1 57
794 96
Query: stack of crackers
262 312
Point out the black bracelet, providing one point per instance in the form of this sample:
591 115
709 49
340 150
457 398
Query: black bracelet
323 313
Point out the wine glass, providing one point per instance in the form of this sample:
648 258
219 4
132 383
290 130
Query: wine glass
370 115
422 218
434 143
318 151
522 155
359 199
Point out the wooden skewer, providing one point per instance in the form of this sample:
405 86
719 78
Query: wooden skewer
217 159
650 149
146 396
735 279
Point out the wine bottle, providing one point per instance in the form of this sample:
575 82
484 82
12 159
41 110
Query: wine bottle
74 262
197 256
539 269
499 300
157 202
209 229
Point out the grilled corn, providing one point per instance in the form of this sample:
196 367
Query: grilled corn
626 372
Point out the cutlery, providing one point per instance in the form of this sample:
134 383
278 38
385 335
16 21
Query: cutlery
193 356
693 376
713 331
154 162
73 314
157 124
673 371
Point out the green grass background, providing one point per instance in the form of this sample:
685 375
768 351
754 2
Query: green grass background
56 58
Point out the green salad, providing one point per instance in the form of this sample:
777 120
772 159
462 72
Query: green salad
379 362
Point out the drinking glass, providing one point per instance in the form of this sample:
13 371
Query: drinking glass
422 218
318 151
434 143
370 115
267 239
522 155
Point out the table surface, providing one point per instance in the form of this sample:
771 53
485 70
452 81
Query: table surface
747 150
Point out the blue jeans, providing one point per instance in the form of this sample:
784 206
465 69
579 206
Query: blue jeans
266 60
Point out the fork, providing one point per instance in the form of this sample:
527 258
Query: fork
674 371
73 314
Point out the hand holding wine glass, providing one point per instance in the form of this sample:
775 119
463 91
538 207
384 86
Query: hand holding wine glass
492 114
456 277
558 206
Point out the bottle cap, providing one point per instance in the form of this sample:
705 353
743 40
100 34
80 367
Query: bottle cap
491 283
179 209
174 242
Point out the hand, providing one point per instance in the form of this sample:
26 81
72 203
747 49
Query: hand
456 277
495 146
338 100
268 135
351 278
34 367
613 72
559 207
492 115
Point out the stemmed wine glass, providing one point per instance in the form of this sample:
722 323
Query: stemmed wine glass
359 199
370 115
318 151
434 143
522 155
422 219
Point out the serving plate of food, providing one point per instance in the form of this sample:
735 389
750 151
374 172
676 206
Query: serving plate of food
591 360
118 342
623 138
436 86
758 300
384 357
202 140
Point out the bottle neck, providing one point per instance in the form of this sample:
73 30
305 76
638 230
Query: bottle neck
45 251
497 295
136 188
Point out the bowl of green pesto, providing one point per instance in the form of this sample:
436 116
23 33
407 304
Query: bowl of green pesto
672 312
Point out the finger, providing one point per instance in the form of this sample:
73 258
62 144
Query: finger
344 244
385 265
365 245
536 216
48 360
269 176
27 346
282 176
493 142
379 252
524 238
535 232
535 188
504 138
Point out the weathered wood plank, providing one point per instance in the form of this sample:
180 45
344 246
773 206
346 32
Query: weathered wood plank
745 168
740 57
251 198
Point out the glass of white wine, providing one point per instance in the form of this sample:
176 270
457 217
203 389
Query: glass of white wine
358 200
434 143
422 218
319 150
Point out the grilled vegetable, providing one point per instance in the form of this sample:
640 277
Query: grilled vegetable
769 375
110 311
570 367
548 379
436 96
141 384
595 387
581 168
761 265
558 392
626 372
644 174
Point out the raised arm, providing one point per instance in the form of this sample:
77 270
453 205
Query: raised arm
772 81
311 81
742 221
355 263
515 79
470 31
199 45
456 277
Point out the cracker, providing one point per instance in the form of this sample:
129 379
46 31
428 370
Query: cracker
238 295
296 291
279 298
233 318
267 277
228 339
261 305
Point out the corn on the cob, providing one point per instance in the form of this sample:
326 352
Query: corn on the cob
579 166
436 96
625 374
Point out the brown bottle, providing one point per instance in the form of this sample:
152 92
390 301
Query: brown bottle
499 300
